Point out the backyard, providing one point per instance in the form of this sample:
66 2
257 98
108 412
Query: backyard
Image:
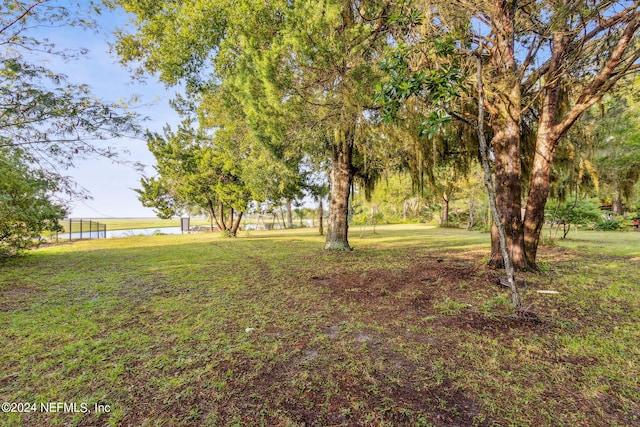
409 329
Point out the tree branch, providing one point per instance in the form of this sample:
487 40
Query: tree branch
605 79
26 12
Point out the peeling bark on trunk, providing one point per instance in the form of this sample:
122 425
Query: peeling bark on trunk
506 149
546 142
505 110
536 201
539 184
551 127
491 189
341 176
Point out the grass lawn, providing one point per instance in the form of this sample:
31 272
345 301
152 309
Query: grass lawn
623 243
409 329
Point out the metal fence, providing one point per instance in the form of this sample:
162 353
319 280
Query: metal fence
79 229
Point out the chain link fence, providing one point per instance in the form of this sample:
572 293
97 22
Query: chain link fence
80 229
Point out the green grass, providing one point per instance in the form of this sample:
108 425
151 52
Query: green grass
622 243
268 329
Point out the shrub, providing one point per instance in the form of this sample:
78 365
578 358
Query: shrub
608 225
27 209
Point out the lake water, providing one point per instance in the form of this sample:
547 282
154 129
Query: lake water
120 233
143 232
133 232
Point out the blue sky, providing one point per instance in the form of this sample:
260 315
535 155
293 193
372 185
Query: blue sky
111 184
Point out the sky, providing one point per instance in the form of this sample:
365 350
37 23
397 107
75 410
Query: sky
111 184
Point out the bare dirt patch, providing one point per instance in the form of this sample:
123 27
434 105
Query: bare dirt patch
412 287
15 297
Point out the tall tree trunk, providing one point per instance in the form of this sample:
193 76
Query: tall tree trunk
471 217
491 189
341 175
617 204
551 127
221 215
236 224
320 216
546 142
506 149
505 109
539 185
289 214
536 200
444 217
212 214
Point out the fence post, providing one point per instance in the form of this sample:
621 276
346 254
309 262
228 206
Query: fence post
100 229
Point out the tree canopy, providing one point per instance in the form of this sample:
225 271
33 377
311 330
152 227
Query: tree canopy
303 76
27 206
47 123
302 73
54 121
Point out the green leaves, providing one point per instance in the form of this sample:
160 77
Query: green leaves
156 194
582 212
432 124
434 86
617 143
176 40
53 122
27 208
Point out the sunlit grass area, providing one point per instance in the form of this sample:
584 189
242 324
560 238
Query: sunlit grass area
623 243
269 329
